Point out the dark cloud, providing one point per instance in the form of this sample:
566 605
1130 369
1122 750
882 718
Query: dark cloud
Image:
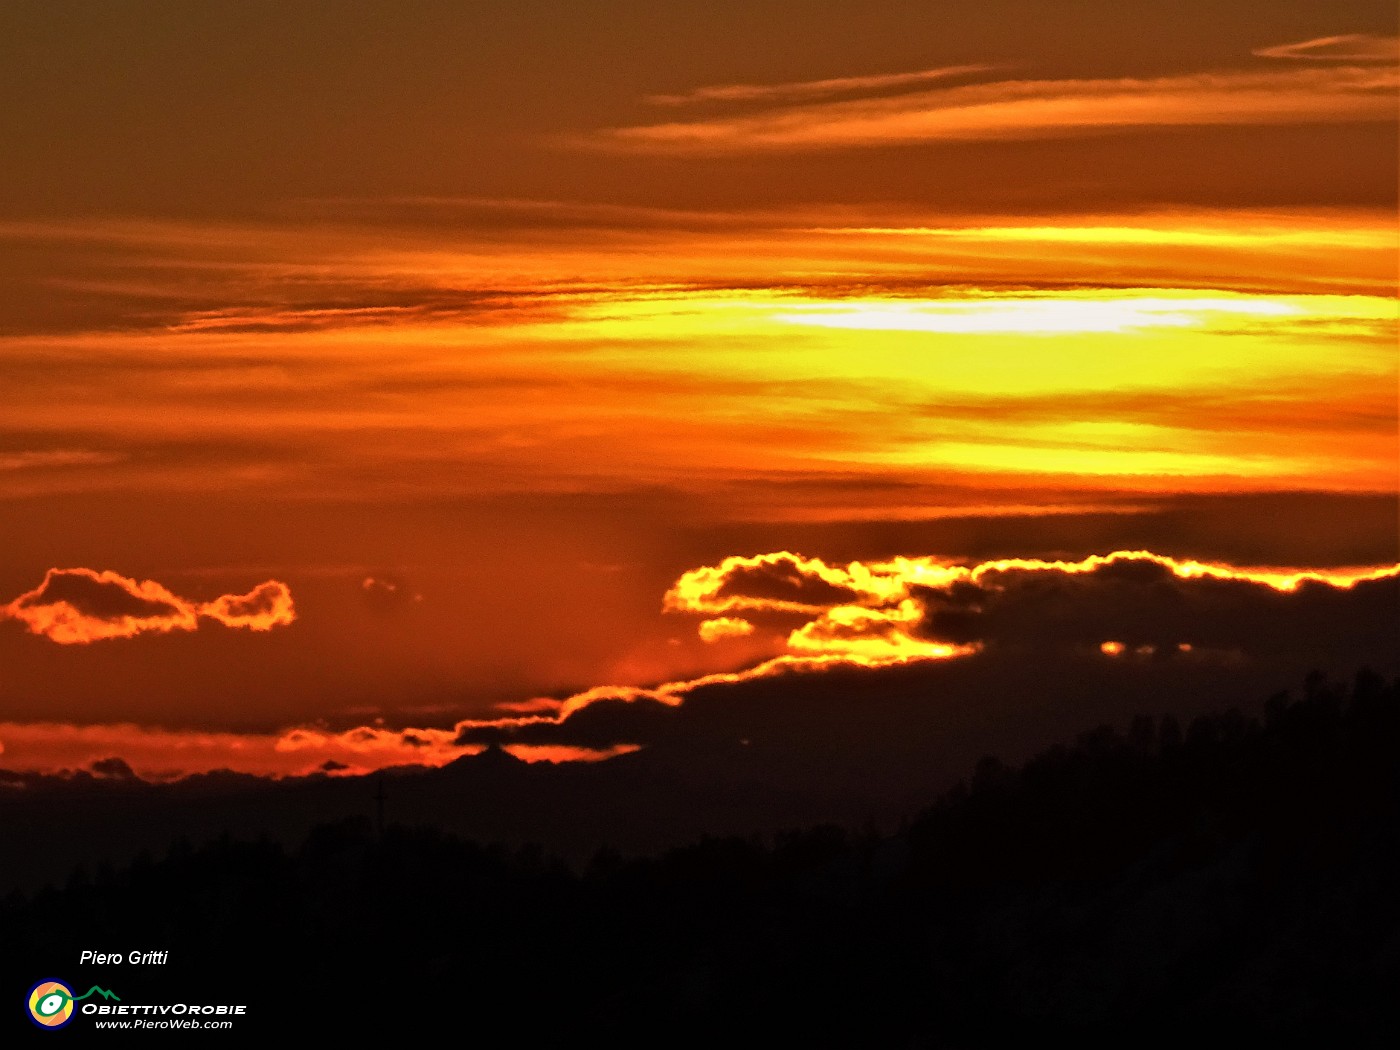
784 580
599 725
100 596
113 768
780 582
1141 602
1324 529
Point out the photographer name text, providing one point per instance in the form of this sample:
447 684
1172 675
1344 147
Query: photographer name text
136 958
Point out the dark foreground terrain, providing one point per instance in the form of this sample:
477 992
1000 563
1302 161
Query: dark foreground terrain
1150 885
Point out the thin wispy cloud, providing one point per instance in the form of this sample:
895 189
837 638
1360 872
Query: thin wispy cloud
1350 47
803 90
1024 109
49 459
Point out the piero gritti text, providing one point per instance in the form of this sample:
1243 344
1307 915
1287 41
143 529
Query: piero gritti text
132 958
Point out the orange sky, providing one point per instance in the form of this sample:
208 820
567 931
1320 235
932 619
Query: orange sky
413 385
1131 350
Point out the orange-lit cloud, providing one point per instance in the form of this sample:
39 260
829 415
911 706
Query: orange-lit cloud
77 606
722 627
930 608
857 632
782 581
786 582
557 753
1012 109
266 606
154 753
368 747
1350 47
809 89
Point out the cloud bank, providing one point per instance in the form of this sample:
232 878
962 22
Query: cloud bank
1173 616
869 655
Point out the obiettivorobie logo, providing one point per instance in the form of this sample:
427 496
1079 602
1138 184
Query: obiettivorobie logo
51 1002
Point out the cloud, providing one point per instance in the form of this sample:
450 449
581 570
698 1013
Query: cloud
383 594
746 581
77 606
722 627
1026 109
1129 620
266 606
782 581
1156 606
367 747
1350 47
48 459
156 754
112 769
854 631
1011 613
927 608
808 89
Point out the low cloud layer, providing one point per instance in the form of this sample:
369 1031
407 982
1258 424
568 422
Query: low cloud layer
77 606
890 657
123 750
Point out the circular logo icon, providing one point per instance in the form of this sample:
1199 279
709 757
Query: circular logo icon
51 1004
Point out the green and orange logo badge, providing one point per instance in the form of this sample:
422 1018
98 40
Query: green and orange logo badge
51 1002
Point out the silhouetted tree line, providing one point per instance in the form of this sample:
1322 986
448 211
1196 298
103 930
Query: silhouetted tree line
1232 878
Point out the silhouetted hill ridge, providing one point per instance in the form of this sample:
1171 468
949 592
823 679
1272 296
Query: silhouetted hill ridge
1149 884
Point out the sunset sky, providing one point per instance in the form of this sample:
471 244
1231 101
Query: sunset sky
374 372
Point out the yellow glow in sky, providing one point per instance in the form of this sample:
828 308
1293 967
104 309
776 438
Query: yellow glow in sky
721 357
